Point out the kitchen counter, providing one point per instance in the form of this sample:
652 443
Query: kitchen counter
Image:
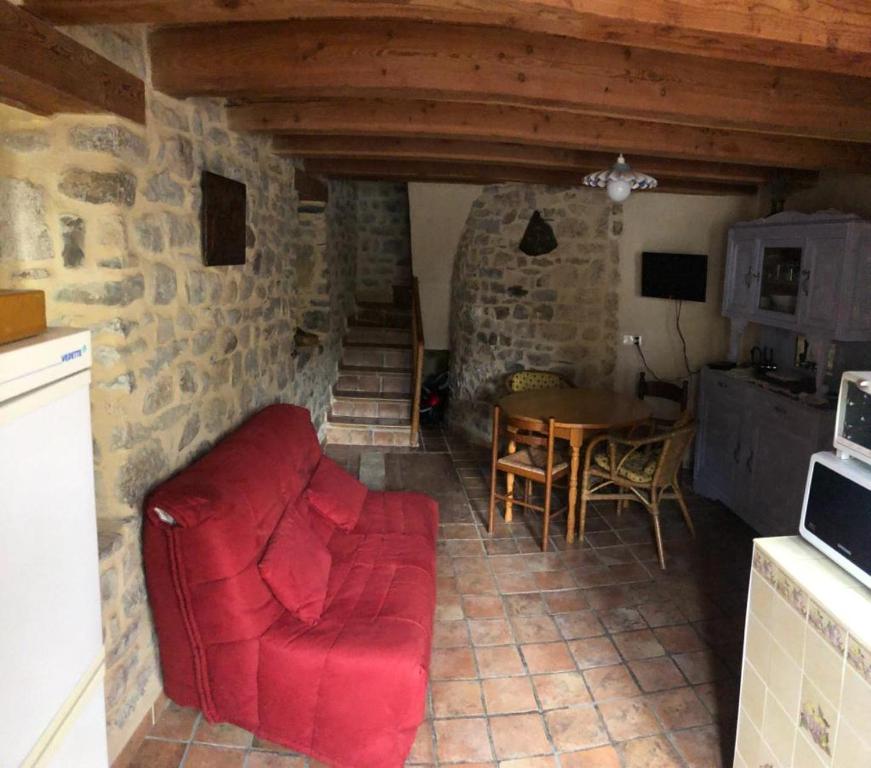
806 681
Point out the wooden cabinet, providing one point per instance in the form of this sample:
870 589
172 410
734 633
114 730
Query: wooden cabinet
799 272
753 449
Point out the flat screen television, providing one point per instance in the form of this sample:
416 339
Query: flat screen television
680 276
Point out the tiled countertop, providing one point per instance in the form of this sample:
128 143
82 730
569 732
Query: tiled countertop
846 601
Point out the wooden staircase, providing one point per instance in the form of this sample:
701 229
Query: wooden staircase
372 401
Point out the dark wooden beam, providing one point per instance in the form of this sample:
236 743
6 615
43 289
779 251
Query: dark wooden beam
476 173
507 155
323 59
45 72
813 34
538 127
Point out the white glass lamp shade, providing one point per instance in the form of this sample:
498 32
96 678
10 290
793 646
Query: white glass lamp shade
620 180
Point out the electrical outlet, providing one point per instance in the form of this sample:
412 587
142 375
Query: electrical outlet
629 339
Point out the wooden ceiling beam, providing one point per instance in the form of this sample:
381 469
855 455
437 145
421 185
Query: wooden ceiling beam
45 72
322 59
579 162
476 173
813 35
537 127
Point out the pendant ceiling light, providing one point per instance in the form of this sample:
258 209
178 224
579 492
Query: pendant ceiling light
619 180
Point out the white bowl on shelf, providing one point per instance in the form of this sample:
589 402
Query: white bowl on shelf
783 302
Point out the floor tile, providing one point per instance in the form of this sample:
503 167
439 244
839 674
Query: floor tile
566 601
452 664
679 639
700 666
490 631
507 695
158 754
535 629
622 619
273 760
700 747
462 739
529 762
628 718
594 652
483 606
499 661
564 689
650 752
223 734
575 729
519 736
599 757
207 756
610 682
680 708
661 614
638 644
547 657
579 624
422 751
175 723
657 674
456 698
450 634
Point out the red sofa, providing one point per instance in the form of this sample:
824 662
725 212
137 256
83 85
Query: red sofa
350 689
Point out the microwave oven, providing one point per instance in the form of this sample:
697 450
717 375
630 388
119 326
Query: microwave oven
836 513
853 419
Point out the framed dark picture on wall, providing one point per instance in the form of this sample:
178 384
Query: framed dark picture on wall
223 218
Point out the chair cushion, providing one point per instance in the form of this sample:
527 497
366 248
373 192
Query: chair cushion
638 468
336 494
523 381
532 459
296 566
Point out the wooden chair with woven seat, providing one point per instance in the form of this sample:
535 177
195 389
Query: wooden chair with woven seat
524 381
645 469
535 460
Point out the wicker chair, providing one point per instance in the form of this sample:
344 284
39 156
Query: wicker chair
536 462
663 390
645 469
523 381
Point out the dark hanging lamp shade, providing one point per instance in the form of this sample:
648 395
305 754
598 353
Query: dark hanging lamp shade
539 238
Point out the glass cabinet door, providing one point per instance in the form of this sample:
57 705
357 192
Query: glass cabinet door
781 279
856 426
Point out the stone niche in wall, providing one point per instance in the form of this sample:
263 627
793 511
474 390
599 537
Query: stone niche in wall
509 311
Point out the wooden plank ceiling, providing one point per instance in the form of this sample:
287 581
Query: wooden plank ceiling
707 96
45 72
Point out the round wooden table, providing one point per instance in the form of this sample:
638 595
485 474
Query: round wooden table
578 412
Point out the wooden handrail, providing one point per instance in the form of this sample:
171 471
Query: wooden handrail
417 358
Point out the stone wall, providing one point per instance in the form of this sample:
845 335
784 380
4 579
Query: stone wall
102 215
383 240
510 311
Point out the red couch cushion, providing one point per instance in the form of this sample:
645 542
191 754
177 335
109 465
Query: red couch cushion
374 636
336 494
296 566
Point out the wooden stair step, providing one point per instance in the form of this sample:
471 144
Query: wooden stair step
388 397
366 421
385 371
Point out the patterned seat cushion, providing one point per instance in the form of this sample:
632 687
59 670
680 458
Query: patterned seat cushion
523 381
638 468
532 459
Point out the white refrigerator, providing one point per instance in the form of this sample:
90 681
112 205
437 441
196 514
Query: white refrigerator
52 706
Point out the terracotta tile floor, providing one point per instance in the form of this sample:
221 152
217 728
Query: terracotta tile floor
587 655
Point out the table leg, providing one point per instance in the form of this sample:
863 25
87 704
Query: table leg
573 487
509 487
